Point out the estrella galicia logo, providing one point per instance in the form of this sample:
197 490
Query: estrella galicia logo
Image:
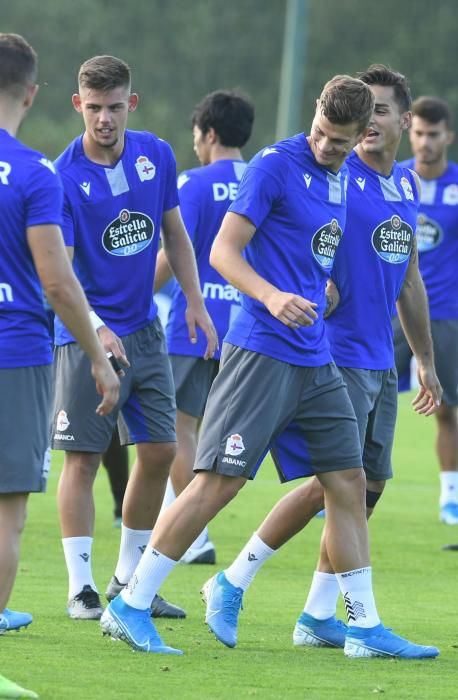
129 234
429 233
392 240
325 242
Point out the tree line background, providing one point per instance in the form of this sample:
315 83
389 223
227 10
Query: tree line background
179 50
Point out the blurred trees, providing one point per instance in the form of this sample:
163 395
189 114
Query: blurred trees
179 50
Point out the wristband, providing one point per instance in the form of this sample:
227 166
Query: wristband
96 321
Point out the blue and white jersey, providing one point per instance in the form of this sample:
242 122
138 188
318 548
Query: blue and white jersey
205 194
298 208
371 263
437 236
112 218
30 195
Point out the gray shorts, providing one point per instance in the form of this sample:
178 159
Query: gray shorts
193 377
146 402
24 428
445 341
374 395
255 397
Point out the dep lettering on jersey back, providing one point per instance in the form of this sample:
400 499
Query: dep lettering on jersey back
392 240
128 234
325 242
429 233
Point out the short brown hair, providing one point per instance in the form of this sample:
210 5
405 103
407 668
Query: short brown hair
345 99
378 74
433 110
18 64
104 73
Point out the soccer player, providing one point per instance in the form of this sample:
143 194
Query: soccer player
119 191
437 232
376 266
32 255
222 124
116 462
276 244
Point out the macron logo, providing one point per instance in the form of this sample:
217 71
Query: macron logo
47 163
268 151
86 187
307 179
361 182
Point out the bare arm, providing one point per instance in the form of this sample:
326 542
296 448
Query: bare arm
226 256
412 307
181 259
66 296
163 272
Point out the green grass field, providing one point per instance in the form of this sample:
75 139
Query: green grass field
415 584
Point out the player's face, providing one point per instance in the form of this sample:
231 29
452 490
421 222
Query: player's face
105 114
429 141
331 143
387 122
201 145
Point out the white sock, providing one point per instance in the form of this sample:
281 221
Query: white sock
245 567
200 539
148 577
324 593
77 552
169 496
356 588
133 544
449 488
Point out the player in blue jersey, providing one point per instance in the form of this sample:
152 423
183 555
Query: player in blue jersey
437 232
222 124
32 255
276 244
375 265
119 192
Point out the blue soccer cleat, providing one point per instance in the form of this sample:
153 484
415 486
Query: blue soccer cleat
381 641
310 632
224 602
11 620
134 627
449 514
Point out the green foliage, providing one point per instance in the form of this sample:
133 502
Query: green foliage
181 50
415 584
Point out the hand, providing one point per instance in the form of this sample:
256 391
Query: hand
429 396
332 298
291 309
113 344
197 315
107 384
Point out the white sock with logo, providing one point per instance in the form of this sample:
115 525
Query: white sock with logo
133 544
147 578
245 567
449 488
324 593
356 589
77 552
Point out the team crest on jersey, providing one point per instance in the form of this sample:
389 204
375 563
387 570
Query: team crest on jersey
392 240
234 445
450 194
325 242
145 168
407 187
429 233
129 234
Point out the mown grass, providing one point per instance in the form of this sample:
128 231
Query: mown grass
415 583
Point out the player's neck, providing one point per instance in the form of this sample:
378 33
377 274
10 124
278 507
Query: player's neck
220 152
431 171
11 116
380 161
102 155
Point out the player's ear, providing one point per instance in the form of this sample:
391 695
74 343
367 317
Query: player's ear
133 102
30 95
406 120
450 137
76 102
